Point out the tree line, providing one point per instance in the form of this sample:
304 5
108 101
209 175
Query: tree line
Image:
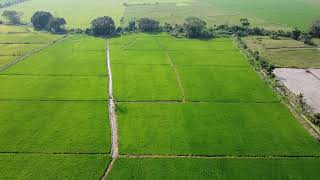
192 27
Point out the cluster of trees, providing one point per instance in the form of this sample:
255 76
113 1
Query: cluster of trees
306 37
13 17
105 26
192 27
10 3
42 20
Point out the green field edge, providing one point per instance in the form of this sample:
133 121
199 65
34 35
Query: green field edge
20 58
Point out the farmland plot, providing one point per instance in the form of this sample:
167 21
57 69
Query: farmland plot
226 84
18 43
285 52
48 62
212 129
224 111
62 121
223 169
145 83
57 166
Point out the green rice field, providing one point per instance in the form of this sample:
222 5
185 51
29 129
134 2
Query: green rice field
224 115
54 120
18 41
152 106
224 169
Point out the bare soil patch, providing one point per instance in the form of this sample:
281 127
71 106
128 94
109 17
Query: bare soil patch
304 82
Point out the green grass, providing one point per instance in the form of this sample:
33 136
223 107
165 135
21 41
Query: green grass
18 49
43 166
77 14
145 82
143 43
54 127
222 169
217 58
225 84
300 58
120 56
28 87
258 42
5 60
28 38
285 52
173 44
49 129
14 29
234 129
80 43
48 62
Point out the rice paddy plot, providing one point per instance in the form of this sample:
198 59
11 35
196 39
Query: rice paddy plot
222 169
28 38
143 44
53 166
79 43
138 57
18 49
5 60
28 87
300 58
214 58
145 83
54 127
11 29
212 129
224 84
174 44
61 63
285 52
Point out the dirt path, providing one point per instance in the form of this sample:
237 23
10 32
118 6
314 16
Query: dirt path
178 78
113 119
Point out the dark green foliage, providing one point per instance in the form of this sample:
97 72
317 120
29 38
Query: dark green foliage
148 25
245 22
306 38
12 16
56 25
316 119
41 20
194 27
103 26
167 27
296 33
315 29
132 26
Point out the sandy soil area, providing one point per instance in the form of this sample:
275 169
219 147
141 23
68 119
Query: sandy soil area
300 81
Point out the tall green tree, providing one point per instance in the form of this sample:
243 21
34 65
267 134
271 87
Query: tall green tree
41 20
148 25
296 33
102 26
56 25
315 29
245 22
194 27
132 26
12 16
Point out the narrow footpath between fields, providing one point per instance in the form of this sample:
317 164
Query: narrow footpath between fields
112 118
